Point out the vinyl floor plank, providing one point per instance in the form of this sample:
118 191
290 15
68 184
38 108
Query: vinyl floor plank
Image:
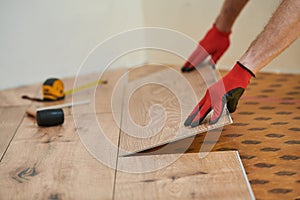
218 175
10 118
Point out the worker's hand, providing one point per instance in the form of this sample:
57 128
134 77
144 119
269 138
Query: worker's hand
228 91
215 43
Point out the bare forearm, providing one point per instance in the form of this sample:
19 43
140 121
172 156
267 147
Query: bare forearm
229 12
282 29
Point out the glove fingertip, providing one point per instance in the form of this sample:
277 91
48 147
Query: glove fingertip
215 118
214 121
188 122
187 69
196 123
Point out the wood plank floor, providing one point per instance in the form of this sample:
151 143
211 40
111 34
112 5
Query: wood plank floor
52 163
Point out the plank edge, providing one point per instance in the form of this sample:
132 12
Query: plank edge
245 175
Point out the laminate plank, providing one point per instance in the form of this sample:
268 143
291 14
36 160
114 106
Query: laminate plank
218 175
52 163
145 70
156 106
10 118
204 75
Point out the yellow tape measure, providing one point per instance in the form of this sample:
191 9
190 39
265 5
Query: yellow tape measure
53 90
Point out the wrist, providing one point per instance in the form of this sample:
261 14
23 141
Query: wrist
221 30
245 68
240 75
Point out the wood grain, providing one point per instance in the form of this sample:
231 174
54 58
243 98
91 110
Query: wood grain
100 95
52 163
156 106
13 96
219 175
10 118
145 70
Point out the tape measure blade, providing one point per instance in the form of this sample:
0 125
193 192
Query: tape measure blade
71 91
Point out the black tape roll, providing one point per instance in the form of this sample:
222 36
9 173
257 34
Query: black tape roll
51 117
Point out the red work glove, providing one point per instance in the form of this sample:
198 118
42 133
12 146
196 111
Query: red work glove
228 91
215 43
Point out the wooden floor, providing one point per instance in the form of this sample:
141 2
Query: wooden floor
41 163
